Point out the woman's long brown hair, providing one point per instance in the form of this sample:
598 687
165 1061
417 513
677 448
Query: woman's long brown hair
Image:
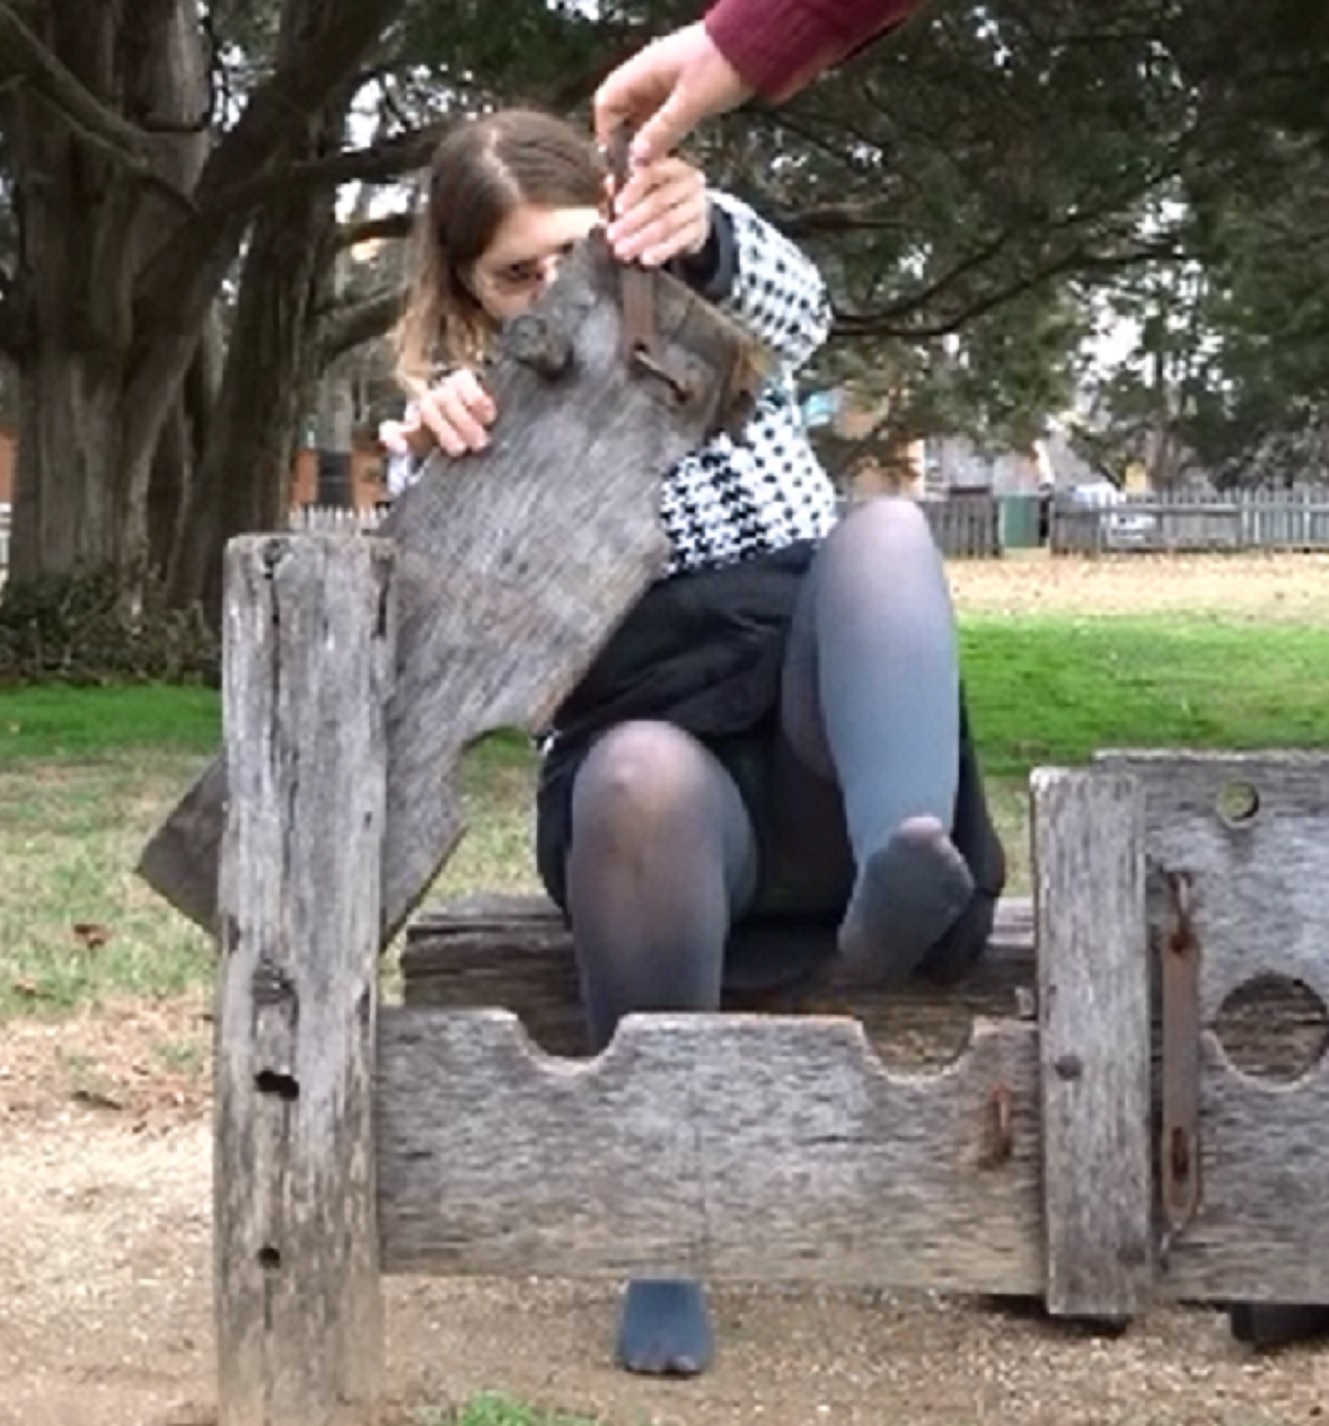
483 169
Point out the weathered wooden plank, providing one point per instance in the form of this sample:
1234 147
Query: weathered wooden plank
1249 833
745 1147
308 663
1262 1232
1248 830
514 564
1093 977
515 952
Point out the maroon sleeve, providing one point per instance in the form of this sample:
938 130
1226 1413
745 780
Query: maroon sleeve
778 46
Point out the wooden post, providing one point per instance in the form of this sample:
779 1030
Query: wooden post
1247 833
308 660
1093 982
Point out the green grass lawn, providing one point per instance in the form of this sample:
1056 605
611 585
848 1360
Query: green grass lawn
1046 690
1041 689
85 774
57 723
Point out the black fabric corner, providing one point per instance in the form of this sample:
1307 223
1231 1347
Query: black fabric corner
711 272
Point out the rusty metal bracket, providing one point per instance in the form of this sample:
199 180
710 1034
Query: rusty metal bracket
641 338
1179 1138
998 1141
644 350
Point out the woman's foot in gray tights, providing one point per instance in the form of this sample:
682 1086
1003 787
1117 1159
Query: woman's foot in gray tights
906 897
664 1327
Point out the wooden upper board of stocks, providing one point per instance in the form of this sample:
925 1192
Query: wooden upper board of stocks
516 563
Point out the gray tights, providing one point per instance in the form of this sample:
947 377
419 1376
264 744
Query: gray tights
664 857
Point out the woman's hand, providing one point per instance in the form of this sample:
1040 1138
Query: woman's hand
454 414
660 213
665 90
406 437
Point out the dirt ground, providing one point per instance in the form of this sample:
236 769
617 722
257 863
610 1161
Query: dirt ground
1258 588
105 1316
104 1236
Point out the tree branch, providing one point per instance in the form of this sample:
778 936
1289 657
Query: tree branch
386 226
838 218
23 56
892 321
357 322
312 69
374 163
385 159
379 162
980 257
306 77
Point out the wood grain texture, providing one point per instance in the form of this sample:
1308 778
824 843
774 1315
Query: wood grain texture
745 1147
515 564
308 665
1093 979
1261 1232
1257 888
515 952
1257 881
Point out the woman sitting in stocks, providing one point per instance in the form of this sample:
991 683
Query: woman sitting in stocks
776 728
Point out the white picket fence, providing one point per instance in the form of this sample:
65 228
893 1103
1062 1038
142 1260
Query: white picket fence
964 526
1248 520
968 525
333 518
1290 519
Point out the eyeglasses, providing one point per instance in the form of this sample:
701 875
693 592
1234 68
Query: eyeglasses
516 278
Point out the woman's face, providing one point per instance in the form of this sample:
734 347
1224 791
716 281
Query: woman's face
523 256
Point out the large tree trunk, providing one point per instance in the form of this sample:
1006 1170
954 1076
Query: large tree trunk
180 451
131 207
243 482
66 512
88 224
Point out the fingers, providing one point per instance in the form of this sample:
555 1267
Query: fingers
661 212
456 412
662 131
633 92
665 90
392 437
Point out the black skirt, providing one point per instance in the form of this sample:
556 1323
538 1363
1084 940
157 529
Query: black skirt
705 651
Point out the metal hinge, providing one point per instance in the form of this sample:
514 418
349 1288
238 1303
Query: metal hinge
1179 1137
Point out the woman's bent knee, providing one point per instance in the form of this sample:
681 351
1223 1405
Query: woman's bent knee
647 775
894 518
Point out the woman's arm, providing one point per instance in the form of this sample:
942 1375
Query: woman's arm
773 46
777 292
779 46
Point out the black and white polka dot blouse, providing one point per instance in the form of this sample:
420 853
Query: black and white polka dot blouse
732 499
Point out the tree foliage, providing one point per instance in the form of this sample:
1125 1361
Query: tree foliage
979 189
1230 376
